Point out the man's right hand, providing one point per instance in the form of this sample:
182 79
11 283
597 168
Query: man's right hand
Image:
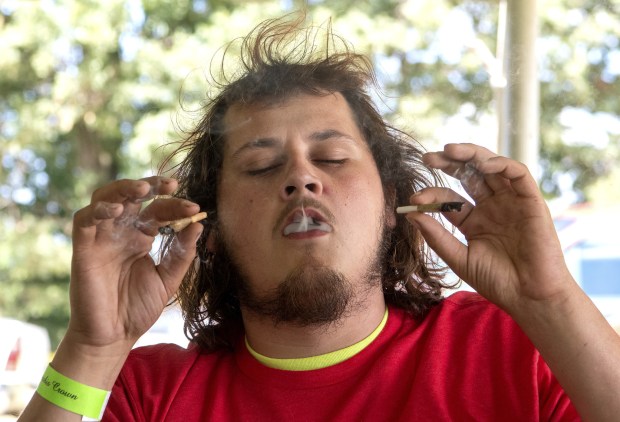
117 290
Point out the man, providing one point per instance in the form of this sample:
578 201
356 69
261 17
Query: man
310 299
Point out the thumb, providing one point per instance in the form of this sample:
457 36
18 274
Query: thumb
178 257
450 249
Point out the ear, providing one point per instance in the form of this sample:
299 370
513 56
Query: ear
390 205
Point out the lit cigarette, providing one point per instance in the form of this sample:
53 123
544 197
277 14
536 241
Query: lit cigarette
438 207
178 225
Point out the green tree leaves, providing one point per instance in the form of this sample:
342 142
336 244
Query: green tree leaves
90 91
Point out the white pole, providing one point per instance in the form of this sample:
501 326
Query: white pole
522 89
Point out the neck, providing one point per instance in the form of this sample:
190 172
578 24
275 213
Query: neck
289 341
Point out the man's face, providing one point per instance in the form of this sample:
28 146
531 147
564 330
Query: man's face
300 194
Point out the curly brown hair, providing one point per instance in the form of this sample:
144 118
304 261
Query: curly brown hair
278 59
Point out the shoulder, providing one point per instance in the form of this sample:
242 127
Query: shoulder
470 319
468 308
465 299
150 378
465 304
163 351
465 318
154 376
478 332
159 360
173 363
461 306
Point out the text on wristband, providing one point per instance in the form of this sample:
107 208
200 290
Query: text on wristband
57 387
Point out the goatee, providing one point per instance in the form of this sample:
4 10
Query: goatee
310 295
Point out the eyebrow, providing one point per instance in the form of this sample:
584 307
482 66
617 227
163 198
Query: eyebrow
260 143
324 135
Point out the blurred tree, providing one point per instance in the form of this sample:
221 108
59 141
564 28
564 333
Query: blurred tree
90 91
580 88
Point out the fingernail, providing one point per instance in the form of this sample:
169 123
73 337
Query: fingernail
189 204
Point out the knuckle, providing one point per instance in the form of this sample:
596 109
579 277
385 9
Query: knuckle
79 214
97 193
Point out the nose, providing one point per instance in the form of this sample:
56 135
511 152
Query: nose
301 180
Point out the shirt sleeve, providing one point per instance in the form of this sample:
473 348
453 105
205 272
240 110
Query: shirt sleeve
121 406
555 405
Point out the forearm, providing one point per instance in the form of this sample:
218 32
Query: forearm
94 367
581 348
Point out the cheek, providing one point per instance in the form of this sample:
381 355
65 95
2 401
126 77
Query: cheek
235 197
240 212
365 191
363 202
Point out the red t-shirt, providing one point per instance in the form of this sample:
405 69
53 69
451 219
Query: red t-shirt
466 361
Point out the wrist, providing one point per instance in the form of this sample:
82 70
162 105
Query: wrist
97 366
562 325
550 308
73 396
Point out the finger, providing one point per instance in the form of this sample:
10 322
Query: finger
457 153
158 186
127 190
179 257
466 152
94 214
497 183
442 241
512 173
436 194
461 162
131 193
471 179
161 211
86 219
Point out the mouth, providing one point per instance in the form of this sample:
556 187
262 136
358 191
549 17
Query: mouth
303 221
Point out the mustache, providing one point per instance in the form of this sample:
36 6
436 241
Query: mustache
303 203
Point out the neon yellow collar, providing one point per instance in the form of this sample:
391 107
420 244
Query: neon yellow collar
320 361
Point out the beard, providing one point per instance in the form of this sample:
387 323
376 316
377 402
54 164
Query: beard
308 295
312 294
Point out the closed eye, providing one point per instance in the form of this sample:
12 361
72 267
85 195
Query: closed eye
334 162
266 170
263 170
